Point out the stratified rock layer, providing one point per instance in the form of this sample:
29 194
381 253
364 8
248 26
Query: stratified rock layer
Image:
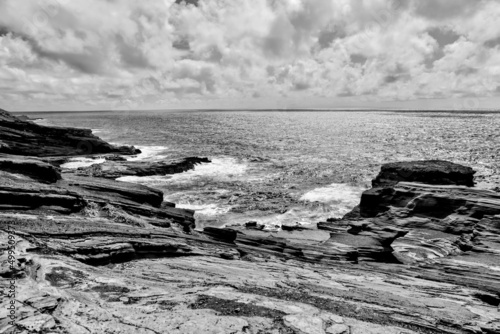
30 167
448 228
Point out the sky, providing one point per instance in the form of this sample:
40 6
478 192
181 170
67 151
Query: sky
246 54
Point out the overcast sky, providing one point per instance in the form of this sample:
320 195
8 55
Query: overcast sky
155 54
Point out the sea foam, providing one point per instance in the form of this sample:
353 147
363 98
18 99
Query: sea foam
78 162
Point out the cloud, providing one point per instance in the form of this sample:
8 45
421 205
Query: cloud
113 52
445 9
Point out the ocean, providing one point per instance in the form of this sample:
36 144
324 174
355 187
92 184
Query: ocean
278 167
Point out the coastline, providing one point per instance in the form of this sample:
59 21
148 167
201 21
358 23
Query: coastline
418 255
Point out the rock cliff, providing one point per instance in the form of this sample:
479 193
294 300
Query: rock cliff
23 137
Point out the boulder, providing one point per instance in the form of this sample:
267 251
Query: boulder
429 172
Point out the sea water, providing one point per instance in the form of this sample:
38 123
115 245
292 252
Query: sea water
287 166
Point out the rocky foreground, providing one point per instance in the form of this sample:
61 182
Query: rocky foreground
420 254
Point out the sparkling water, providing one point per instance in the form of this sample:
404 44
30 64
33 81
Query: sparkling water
276 166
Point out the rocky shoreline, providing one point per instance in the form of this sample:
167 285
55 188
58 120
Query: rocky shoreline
420 254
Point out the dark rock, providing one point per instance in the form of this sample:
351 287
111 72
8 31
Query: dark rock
20 137
221 234
114 157
292 227
254 226
116 169
167 205
429 172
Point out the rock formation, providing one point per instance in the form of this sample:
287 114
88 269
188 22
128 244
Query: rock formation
23 137
115 169
93 255
430 172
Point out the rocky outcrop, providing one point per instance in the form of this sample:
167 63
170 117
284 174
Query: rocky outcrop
164 281
115 169
22 137
33 168
429 172
93 255
449 229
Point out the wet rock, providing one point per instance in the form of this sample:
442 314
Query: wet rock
114 157
253 225
292 227
115 169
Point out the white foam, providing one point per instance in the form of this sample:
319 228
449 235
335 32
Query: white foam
335 200
209 209
220 169
42 121
152 181
75 163
334 193
149 153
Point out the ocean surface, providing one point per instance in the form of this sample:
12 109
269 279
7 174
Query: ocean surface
278 167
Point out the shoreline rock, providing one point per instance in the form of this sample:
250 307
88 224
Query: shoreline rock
113 169
22 137
429 172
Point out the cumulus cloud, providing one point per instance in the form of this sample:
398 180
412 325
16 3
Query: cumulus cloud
169 53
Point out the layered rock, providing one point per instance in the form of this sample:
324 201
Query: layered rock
23 137
169 282
94 255
33 168
439 228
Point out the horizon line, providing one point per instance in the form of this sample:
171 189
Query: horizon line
266 109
